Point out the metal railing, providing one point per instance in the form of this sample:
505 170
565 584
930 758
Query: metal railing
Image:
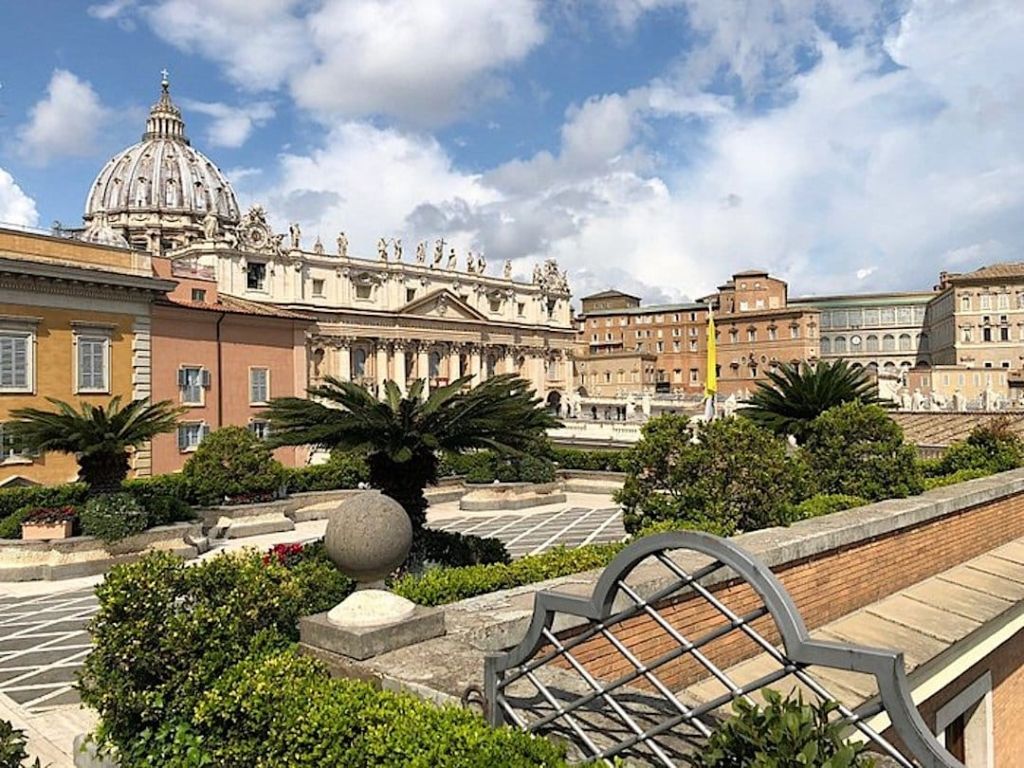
550 684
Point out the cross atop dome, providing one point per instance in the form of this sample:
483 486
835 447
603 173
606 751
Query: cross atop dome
164 117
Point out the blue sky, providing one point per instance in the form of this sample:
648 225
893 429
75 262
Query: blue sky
653 145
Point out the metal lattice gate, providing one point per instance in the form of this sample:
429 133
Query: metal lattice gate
618 674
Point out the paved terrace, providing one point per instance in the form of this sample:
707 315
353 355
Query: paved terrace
44 642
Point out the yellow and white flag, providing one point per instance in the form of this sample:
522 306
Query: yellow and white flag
711 385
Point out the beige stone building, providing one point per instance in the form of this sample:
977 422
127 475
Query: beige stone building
432 314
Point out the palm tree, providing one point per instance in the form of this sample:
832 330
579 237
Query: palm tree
99 437
403 435
799 393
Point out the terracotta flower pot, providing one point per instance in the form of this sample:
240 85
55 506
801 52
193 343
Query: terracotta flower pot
41 531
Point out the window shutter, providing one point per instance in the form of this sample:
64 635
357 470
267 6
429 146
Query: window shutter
206 379
182 432
182 383
204 431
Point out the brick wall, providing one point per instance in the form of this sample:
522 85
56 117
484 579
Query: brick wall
825 587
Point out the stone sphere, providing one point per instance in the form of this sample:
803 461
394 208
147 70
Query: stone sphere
368 536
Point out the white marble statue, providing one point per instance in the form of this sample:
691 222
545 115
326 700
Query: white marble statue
506 271
453 260
917 401
538 274
342 245
470 262
421 252
438 253
959 404
382 249
481 263
210 226
318 246
398 249
296 234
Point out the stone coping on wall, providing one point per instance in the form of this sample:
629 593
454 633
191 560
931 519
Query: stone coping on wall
442 668
88 556
503 497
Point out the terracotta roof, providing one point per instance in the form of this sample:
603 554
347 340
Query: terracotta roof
751 273
609 293
236 306
994 272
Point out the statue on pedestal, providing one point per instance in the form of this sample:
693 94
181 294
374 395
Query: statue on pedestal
210 226
538 275
296 234
453 260
506 271
438 253
398 249
318 246
342 245
421 252
382 249
470 262
481 264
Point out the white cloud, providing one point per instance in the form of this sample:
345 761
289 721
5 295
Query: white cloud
15 206
67 122
112 9
231 126
423 61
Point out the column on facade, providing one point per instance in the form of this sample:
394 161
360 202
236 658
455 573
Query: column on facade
381 368
423 366
474 364
510 361
536 367
343 364
398 362
454 363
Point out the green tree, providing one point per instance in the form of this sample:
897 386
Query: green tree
857 450
229 463
99 437
402 436
798 394
722 476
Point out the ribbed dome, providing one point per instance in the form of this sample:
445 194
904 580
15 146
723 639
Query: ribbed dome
163 174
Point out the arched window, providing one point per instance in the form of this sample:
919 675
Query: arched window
826 345
358 362
905 342
840 345
890 367
871 343
888 343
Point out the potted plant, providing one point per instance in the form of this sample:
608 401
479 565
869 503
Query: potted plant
49 523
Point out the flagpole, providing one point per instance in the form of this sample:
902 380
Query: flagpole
711 381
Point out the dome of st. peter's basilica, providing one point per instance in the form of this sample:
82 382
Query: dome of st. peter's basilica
157 193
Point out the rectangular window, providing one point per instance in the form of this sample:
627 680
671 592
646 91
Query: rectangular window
676 347
751 335
744 306
92 353
759 304
986 334
16 361
694 375
10 449
318 287
520 309
363 291
693 345
256 277
986 301
495 306
192 380
794 331
260 428
259 386
198 295
191 434
1004 334
773 334
661 346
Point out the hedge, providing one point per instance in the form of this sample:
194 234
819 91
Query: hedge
341 470
825 504
594 460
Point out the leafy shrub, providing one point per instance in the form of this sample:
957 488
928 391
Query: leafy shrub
113 516
344 469
959 476
596 460
857 450
10 526
13 747
783 733
14 499
282 709
165 632
230 463
991 446
726 475
439 586
825 504
665 526
448 548
534 465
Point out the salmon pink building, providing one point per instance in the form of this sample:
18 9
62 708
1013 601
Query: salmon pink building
222 359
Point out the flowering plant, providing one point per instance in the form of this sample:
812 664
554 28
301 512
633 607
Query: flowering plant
288 555
50 515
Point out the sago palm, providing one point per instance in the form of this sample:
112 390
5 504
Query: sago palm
98 436
402 435
798 394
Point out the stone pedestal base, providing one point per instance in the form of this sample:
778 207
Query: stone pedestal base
363 641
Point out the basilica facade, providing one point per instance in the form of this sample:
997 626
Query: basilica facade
429 314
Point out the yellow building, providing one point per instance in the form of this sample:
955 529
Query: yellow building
75 326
